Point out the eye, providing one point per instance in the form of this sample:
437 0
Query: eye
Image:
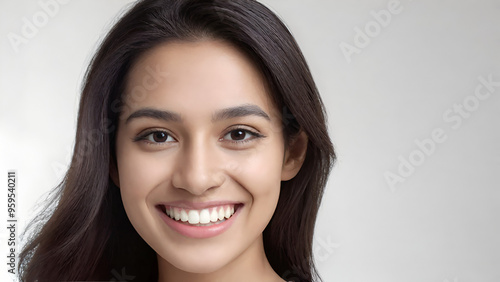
241 135
156 137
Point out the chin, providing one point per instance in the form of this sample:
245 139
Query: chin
196 263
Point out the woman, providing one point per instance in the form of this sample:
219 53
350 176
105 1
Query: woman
201 153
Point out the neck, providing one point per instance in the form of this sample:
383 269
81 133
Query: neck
251 265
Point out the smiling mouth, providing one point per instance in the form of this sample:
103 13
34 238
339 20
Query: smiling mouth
203 217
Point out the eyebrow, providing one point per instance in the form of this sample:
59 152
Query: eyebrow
240 111
155 114
228 113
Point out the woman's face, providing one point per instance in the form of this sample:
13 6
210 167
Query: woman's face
200 154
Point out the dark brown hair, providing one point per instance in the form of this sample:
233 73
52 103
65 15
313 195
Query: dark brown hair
86 235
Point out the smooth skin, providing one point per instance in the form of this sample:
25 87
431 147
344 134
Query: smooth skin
180 139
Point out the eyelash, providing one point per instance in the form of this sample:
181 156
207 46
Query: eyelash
255 135
144 136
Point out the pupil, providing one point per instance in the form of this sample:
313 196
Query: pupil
160 136
238 135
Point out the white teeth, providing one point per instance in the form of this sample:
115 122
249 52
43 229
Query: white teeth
204 216
214 216
199 217
177 214
221 213
194 217
184 216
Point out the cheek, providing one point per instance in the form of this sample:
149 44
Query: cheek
138 176
134 174
259 172
139 172
260 176
264 179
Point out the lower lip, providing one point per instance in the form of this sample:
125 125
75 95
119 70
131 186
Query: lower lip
199 232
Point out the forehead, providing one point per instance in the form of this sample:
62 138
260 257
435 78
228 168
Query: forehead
199 76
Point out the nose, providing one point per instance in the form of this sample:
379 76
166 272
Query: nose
197 169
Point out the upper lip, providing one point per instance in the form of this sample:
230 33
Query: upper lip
198 205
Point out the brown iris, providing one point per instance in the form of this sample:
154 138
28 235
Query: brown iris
160 136
238 134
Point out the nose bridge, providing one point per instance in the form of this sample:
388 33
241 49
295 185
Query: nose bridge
196 171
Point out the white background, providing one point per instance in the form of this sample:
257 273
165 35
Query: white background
441 224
